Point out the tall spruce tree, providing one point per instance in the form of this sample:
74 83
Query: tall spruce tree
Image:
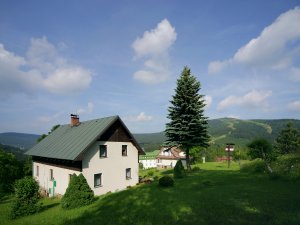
188 125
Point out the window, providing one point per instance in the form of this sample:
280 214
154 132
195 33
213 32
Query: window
103 151
124 150
51 174
37 171
128 173
98 180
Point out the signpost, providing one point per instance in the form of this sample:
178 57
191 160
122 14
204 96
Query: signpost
229 148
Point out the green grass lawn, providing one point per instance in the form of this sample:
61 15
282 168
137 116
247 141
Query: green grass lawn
212 195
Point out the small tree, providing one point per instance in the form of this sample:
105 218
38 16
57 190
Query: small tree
179 170
26 197
78 193
261 148
43 136
288 140
188 125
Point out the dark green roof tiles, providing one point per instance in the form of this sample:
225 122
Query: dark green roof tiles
68 142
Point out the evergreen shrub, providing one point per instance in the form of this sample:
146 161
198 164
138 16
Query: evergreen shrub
78 193
179 170
166 181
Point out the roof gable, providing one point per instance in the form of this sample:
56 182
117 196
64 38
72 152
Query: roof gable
69 143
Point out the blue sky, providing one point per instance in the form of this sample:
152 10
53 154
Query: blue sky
102 58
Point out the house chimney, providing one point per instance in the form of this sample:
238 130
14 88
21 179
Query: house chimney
74 120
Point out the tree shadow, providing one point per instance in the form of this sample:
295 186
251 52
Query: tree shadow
229 197
48 206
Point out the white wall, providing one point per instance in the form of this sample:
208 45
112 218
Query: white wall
113 168
148 163
169 163
61 176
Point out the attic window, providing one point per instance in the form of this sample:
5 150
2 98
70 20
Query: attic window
124 150
103 151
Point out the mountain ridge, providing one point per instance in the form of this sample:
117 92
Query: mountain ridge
222 130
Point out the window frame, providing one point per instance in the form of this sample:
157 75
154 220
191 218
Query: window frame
51 177
100 179
100 150
37 172
124 148
128 170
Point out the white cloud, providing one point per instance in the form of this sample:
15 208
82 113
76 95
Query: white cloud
252 99
42 69
89 109
68 80
154 45
208 101
273 48
142 117
294 106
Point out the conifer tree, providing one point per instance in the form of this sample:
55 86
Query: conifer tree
188 125
288 140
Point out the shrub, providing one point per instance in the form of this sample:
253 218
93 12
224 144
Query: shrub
287 166
78 193
179 170
196 168
26 197
166 181
150 173
255 166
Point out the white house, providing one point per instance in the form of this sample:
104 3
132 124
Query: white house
168 157
149 160
103 150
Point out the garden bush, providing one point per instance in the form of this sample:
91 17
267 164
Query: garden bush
166 181
287 166
78 193
254 166
26 197
179 171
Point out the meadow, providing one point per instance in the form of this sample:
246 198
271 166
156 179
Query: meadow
211 194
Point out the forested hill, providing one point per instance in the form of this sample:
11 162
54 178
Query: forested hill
226 130
19 140
221 130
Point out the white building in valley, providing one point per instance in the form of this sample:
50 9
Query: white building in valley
168 157
103 150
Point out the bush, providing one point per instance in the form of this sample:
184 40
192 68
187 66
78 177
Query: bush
150 173
255 166
196 168
179 170
287 166
26 197
78 193
166 181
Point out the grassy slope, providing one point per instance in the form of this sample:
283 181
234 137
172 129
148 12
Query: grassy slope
214 195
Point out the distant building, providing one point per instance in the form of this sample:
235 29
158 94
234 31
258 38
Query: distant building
149 160
103 150
168 157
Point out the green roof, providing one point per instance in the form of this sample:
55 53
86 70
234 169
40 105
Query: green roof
150 155
68 142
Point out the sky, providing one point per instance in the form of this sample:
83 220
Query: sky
104 58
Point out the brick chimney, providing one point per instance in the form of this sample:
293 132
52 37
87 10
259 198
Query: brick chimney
74 120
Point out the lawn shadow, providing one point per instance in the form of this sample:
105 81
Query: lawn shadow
48 206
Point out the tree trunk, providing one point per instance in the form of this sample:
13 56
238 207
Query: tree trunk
266 162
187 157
